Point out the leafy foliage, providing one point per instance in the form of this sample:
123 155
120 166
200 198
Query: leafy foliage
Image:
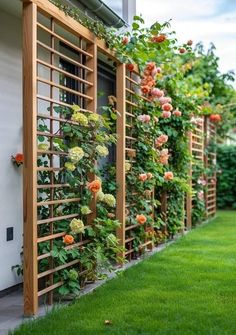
226 180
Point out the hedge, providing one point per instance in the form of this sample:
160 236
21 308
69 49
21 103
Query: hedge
226 182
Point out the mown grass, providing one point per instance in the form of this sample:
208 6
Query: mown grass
187 289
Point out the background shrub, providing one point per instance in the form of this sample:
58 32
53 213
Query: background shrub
226 182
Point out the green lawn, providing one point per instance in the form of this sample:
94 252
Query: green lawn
189 288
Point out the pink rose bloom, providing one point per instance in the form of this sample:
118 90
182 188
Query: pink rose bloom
144 118
202 181
166 115
167 107
177 112
154 72
200 195
158 70
164 100
155 92
164 156
161 140
168 175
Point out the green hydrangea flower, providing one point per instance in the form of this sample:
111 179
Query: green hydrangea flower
76 154
85 210
80 118
77 226
109 200
102 150
70 166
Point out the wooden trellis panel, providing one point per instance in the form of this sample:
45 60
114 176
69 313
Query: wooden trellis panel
196 148
50 42
210 165
127 89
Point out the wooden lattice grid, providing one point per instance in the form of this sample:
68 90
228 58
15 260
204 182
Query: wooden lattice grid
48 45
210 165
127 95
196 149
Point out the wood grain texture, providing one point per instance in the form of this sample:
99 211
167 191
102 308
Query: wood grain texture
120 152
30 159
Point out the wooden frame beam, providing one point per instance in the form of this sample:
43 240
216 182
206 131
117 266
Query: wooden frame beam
30 157
120 152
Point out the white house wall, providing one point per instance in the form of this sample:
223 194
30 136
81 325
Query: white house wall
10 143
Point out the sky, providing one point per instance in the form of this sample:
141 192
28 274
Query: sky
198 20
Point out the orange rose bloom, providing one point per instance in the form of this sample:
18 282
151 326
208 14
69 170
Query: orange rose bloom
130 67
159 38
150 66
68 239
142 176
145 89
215 117
141 219
94 186
147 72
19 158
168 175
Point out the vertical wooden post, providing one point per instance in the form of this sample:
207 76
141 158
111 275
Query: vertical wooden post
92 105
189 194
30 158
205 158
120 152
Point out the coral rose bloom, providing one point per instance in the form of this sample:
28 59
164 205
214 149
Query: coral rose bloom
142 177
19 158
177 112
68 239
125 40
182 50
215 117
141 219
159 38
166 115
162 139
94 186
167 107
164 159
130 67
168 175
150 66
145 89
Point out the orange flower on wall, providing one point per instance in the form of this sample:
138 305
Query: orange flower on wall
141 219
18 159
94 186
68 239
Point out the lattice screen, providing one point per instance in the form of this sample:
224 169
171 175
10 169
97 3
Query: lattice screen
131 92
196 147
210 165
60 70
